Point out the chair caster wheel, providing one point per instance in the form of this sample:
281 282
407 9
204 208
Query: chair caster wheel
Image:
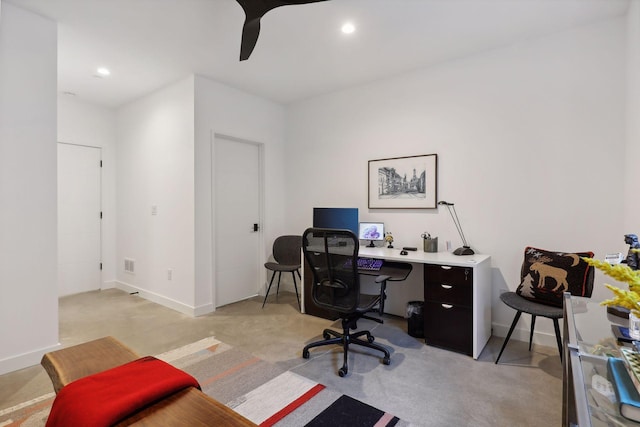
371 338
342 372
305 354
386 361
326 336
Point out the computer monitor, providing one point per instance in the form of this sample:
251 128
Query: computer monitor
342 218
371 231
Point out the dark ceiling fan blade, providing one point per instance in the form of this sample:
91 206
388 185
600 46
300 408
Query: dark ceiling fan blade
254 10
250 32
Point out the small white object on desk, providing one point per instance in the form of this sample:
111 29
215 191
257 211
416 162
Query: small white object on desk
613 259
603 386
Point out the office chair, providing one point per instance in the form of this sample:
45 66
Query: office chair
286 253
331 256
545 276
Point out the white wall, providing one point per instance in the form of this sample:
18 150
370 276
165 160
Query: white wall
529 138
86 124
632 188
155 167
164 159
220 109
28 206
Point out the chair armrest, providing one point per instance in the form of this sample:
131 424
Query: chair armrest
382 280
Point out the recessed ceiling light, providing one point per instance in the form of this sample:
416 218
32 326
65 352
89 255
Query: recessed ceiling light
348 28
102 71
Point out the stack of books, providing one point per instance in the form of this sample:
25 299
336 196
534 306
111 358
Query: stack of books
624 375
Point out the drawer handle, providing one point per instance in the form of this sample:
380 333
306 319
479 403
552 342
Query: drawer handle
446 286
447 306
445 267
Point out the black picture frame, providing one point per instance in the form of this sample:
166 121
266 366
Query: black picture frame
404 182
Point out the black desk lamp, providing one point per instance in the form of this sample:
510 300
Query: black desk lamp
465 249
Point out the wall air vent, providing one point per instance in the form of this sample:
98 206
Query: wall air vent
129 265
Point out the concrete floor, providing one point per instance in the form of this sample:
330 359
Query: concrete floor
276 333
150 329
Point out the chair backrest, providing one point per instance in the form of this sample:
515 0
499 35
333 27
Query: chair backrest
589 282
332 256
286 250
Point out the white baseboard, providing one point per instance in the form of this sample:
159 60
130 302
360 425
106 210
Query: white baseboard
24 360
110 284
203 309
167 302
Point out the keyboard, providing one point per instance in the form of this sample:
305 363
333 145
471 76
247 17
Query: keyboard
371 264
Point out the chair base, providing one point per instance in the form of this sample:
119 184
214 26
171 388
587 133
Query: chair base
346 338
556 327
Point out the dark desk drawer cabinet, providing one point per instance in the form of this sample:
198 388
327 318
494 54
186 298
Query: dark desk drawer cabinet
448 310
449 326
460 293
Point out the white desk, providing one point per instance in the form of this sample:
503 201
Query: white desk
480 266
420 257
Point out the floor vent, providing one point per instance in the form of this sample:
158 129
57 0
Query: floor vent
129 265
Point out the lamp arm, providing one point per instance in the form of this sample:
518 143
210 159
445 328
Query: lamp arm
456 222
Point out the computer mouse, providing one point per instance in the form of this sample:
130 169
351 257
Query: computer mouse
404 253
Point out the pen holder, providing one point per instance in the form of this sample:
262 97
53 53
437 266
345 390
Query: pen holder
430 245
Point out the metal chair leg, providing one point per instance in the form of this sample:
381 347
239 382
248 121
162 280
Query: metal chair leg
295 286
556 326
506 340
269 288
278 288
533 325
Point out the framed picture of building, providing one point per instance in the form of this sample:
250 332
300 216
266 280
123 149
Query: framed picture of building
404 182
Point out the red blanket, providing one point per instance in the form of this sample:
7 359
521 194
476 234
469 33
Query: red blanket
108 397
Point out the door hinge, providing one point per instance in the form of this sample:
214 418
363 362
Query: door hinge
100 163
100 266
100 214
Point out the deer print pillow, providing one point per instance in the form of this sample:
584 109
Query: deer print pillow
546 275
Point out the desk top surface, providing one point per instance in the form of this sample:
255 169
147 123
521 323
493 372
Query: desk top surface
424 257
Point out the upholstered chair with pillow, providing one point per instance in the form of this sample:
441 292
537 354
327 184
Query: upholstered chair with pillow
544 278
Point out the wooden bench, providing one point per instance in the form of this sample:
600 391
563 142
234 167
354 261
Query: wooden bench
188 407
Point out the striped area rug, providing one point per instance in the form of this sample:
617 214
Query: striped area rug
258 390
263 392
352 412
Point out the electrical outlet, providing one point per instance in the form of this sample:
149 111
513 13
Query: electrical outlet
170 274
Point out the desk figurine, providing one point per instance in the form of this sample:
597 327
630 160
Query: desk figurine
388 237
633 261
633 256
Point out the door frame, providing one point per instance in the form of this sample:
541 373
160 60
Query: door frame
260 280
100 252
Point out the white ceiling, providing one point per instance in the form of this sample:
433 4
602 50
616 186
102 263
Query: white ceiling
300 52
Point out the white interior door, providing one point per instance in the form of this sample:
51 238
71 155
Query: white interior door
237 194
78 219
